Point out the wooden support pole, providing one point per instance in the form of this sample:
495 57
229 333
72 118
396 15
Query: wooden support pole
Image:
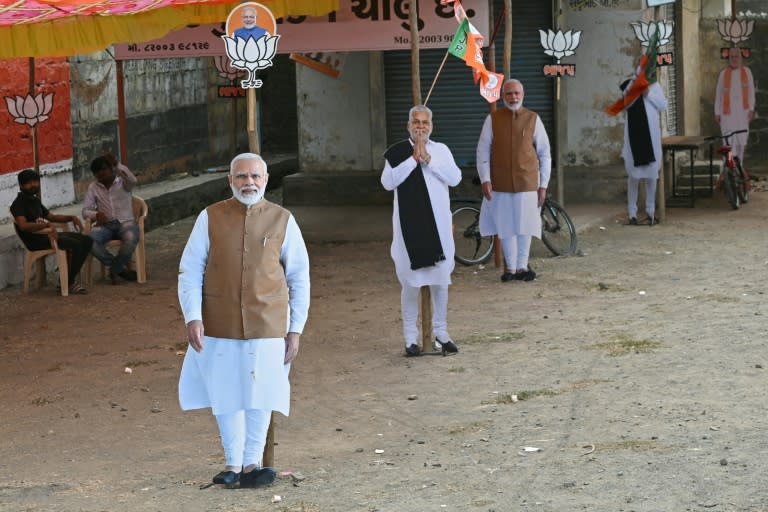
661 193
507 64
413 20
268 457
35 148
426 319
426 299
253 122
121 122
498 255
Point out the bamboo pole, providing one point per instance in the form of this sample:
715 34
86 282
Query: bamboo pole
434 80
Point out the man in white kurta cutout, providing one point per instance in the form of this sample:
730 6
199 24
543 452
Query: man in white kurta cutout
642 148
419 171
514 164
244 293
735 101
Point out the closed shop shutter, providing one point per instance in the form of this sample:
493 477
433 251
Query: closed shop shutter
668 77
458 108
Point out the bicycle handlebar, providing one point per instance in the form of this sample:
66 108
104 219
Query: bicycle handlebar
726 136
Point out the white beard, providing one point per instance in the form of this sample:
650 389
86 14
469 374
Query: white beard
514 108
248 199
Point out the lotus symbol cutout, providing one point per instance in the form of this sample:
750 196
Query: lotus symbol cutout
645 30
559 44
225 69
735 31
251 55
30 109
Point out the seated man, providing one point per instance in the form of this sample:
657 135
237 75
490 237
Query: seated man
109 203
30 216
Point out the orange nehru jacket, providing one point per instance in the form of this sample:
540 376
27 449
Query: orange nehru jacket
514 164
245 295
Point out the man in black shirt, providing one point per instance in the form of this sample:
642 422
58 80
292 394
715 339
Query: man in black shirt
30 217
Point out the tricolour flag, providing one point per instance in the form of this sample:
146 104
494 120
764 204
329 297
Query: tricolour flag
460 14
464 47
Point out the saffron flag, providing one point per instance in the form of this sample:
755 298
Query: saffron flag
646 75
464 47
490 86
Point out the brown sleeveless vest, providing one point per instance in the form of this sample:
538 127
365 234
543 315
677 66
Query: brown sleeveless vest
514 164
245 295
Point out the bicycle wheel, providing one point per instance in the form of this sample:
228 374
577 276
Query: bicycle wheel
743 188
557 231
471 247
730 188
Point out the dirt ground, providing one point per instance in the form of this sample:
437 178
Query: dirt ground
639 371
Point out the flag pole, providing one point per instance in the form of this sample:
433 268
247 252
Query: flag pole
436 75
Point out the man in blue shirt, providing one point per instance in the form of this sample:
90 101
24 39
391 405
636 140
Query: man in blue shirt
249 29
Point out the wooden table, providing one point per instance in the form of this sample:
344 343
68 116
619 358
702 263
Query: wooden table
690 143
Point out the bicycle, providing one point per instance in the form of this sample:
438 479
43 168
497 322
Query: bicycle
557 231
734 180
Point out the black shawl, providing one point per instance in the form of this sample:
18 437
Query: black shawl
639 132
417 222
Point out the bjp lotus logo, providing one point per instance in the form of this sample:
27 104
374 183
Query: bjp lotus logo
250 43
30 110
559 44
644 31
225 68
735 31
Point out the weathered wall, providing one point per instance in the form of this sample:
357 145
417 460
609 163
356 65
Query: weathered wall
605 57
53 134
166 114
334 117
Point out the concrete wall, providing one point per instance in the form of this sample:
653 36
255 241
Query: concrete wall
166 102
334 117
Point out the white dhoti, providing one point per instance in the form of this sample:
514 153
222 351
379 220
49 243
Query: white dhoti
510 214
235 375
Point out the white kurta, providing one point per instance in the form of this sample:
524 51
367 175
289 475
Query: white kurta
510 214
738 118
655 103
232 375
441 173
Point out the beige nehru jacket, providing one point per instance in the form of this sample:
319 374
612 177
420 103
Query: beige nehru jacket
514 164
245 295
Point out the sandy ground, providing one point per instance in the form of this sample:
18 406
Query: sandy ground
638 369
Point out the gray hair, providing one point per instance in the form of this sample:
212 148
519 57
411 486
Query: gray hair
246 156
512 81
419 108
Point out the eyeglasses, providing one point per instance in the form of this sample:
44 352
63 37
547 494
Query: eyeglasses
254 176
